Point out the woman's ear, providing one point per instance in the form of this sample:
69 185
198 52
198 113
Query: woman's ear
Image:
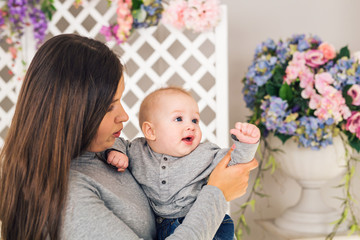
148 131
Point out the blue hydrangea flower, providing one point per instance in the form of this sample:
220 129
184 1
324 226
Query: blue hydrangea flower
303 45
296 38
264 48
283 51
274 114
345 72
314 133
262 70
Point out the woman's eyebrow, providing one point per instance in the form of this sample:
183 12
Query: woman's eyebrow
115 100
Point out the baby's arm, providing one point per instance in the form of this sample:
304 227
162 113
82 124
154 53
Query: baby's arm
246 138
118 159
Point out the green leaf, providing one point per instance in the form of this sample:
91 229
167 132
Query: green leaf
271 88
283 137
286 93
353 228
278 75
353 141
344 52
48 8
136 4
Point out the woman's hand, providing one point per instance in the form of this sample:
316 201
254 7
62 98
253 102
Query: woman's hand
232 180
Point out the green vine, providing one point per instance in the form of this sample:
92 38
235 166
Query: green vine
347 202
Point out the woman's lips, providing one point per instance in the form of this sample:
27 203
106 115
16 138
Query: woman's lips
117 134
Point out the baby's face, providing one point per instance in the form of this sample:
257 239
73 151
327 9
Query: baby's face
176 122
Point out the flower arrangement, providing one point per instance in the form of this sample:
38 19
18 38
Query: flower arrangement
15 15
303 88
197 15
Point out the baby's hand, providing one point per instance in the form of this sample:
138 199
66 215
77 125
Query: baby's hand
118 159
246 132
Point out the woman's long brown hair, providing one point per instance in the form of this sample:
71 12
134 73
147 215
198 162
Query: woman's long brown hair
66 92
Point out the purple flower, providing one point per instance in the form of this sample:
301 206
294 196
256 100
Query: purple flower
39 22
17 14
2 20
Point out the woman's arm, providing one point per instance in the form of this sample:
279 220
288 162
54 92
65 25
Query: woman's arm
91 214
205 216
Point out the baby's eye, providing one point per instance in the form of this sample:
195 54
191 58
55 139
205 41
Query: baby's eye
178 119
195 121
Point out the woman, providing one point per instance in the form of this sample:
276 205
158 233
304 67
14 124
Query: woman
53 182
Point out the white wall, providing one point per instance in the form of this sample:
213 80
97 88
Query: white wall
253 21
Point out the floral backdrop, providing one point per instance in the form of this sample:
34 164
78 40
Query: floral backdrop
197 15
303 88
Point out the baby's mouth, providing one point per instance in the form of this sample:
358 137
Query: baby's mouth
188 140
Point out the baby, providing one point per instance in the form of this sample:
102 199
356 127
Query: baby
170 163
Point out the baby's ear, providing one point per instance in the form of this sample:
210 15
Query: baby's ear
148 131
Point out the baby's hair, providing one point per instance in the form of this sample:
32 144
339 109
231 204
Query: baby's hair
150 101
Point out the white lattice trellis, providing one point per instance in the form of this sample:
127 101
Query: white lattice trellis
10 83
154 57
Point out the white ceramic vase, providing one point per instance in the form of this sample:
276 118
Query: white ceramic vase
311 169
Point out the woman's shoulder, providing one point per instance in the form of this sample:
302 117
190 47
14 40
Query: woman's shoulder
95 173
105 197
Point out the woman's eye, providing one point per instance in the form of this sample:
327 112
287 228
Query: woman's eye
178 119
110 108
195 121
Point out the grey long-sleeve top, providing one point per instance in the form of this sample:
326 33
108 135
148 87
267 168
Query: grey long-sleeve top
105 204
173 183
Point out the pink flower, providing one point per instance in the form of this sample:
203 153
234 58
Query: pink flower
328 50
295 68
354 92
292 72
322 83
13 52
124 20
332 106
299 57
174 13
353 123
308 92
345 111
329 103
306 78
315 58
201 15
314 101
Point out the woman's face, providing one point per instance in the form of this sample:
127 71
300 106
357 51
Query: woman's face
112 123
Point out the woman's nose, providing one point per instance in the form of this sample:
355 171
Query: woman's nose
122 116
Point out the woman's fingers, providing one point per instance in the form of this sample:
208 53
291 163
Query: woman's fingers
232 180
